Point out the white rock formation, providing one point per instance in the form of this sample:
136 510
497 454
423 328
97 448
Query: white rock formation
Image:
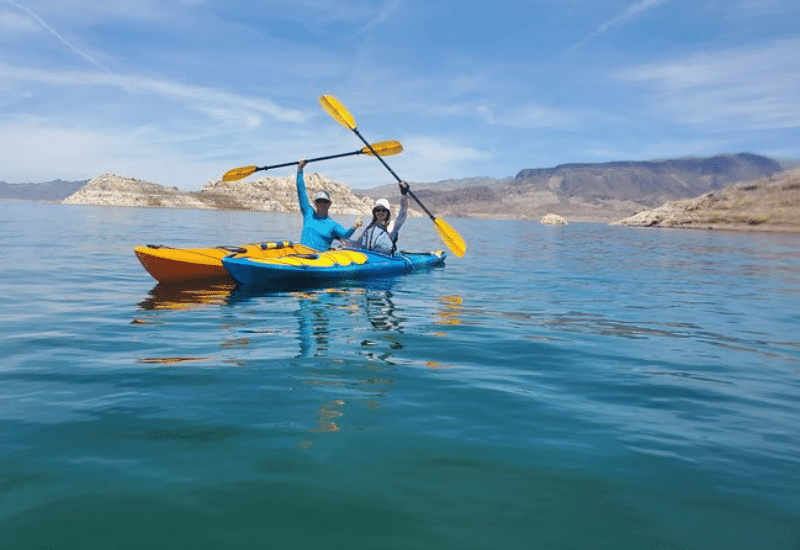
265 194
553 219
274 194
112 190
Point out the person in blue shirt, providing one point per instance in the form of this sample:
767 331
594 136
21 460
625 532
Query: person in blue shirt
319 230
381 233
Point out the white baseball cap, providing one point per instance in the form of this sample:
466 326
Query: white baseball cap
322 196
382 203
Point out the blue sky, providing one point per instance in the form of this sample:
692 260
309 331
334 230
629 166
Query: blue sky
179 92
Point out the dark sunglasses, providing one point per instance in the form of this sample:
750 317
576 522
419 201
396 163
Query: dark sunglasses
375 210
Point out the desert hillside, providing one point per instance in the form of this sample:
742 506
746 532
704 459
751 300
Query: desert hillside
765 204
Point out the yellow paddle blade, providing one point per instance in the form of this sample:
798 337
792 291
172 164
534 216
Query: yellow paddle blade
337 111
384 148
238 173
450 237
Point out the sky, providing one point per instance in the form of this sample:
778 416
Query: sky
178 92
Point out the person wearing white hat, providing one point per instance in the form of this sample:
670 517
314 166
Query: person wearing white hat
382 232
319 230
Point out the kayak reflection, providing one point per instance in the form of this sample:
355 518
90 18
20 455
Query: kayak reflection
322 316
381 310
319 313
186 296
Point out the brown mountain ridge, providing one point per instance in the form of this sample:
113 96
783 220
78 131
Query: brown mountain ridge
586 192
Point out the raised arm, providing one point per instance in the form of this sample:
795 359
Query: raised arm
398 222
302 195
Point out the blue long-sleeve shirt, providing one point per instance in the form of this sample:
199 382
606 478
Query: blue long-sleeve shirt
318 233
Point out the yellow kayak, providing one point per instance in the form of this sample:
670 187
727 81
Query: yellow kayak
174 265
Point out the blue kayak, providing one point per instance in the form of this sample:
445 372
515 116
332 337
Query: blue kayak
303 270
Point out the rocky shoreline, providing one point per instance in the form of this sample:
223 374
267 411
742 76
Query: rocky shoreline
266 194
766 204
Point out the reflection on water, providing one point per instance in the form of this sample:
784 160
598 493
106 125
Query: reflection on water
317 327
313 323
169 360
326 321
322 316
323 319
327 416
450 312
381 311
181 296
315 309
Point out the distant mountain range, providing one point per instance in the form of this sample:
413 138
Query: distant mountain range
592 192
580 192
55 190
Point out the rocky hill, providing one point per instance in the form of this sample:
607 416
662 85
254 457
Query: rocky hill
112 190
765 204
265 194
586 192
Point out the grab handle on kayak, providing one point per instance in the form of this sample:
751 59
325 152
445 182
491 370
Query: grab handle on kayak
233 249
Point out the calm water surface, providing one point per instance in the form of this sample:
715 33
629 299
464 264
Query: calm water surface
558 387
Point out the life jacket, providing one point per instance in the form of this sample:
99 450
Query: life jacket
371 235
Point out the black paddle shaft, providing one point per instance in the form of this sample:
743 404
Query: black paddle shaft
314 160
380 158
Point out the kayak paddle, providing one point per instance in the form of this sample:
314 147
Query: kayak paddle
339 113
385 148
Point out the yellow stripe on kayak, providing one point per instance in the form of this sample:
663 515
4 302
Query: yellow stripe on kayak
323 259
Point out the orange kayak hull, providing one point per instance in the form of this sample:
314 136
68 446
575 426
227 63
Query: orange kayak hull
179 265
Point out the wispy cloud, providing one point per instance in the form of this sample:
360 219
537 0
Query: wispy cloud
740 9
213 101
740 88
11 22
388 7
63 40
531 115
434 158
32 147
628 15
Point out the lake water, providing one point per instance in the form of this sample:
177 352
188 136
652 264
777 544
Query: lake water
570 387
